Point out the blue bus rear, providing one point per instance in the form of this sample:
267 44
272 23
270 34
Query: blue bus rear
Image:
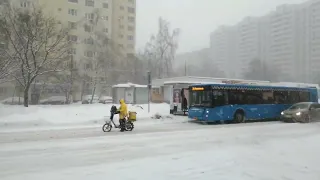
225 102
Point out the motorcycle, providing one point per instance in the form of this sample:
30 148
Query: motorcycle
128 126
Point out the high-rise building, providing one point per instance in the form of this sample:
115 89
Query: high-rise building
117 20
114 18
124 25
311 12
287 38
223 50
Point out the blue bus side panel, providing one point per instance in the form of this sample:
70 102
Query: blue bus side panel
196 113
226 113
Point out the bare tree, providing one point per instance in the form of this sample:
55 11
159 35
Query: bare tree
102 54
161 49
37 43
7 66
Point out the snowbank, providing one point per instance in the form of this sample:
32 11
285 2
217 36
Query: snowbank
72 115
128 85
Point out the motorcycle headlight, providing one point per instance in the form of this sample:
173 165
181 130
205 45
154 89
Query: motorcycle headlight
298 113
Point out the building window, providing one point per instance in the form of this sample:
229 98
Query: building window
87 66
25 4
105 5
120 45
88 54
72 51
131 10
121 8
72 25
89 16
73 12
104 18
130 37
72 38
105 30
130 55
120 35
130 46
131 19
90 3
130 28
73 1
2 45
121 26
88 28
88 41
131 1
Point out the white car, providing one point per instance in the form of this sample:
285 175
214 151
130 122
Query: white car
87 98
105 100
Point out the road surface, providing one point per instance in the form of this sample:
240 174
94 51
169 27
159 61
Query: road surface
170 151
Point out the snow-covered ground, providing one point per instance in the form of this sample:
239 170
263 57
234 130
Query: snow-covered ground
17 118
157 149
268 151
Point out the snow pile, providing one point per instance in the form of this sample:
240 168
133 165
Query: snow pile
73 115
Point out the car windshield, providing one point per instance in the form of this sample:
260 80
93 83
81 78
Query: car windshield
299 106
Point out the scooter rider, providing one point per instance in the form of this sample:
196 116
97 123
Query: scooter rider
123 112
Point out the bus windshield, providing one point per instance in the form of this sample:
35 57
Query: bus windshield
201 98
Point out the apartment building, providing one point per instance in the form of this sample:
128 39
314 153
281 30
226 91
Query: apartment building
248 43
114 18
234 47
124 25
288 38
312 13
283 39
223 50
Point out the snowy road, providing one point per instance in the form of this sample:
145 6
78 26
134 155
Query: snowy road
170 151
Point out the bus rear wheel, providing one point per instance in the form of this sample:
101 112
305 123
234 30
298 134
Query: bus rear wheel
239 117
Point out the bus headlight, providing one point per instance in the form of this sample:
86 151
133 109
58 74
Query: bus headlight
207 111
282 113
298 113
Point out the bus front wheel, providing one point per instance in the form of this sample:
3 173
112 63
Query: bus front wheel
239 117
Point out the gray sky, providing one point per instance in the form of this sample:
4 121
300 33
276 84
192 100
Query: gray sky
197 18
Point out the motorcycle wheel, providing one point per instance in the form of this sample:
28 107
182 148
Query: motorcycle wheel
106 127
129 126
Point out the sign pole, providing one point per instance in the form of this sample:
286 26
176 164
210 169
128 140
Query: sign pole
149 90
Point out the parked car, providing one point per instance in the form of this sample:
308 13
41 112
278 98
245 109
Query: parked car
12 101
105 100
303 112
87 98
53 100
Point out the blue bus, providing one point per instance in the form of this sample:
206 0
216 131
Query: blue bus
238 103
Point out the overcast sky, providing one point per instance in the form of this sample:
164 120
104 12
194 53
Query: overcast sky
197 18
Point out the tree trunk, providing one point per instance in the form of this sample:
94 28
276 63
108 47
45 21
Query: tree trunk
94 91
26 97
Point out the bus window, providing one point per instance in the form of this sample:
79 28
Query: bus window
218 98
236 97
304 97
254 97
281 97
293 97
267 97
200 98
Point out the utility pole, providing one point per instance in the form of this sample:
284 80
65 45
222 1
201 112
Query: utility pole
149 90
185 67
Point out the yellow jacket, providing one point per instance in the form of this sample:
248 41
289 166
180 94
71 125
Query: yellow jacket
123 111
